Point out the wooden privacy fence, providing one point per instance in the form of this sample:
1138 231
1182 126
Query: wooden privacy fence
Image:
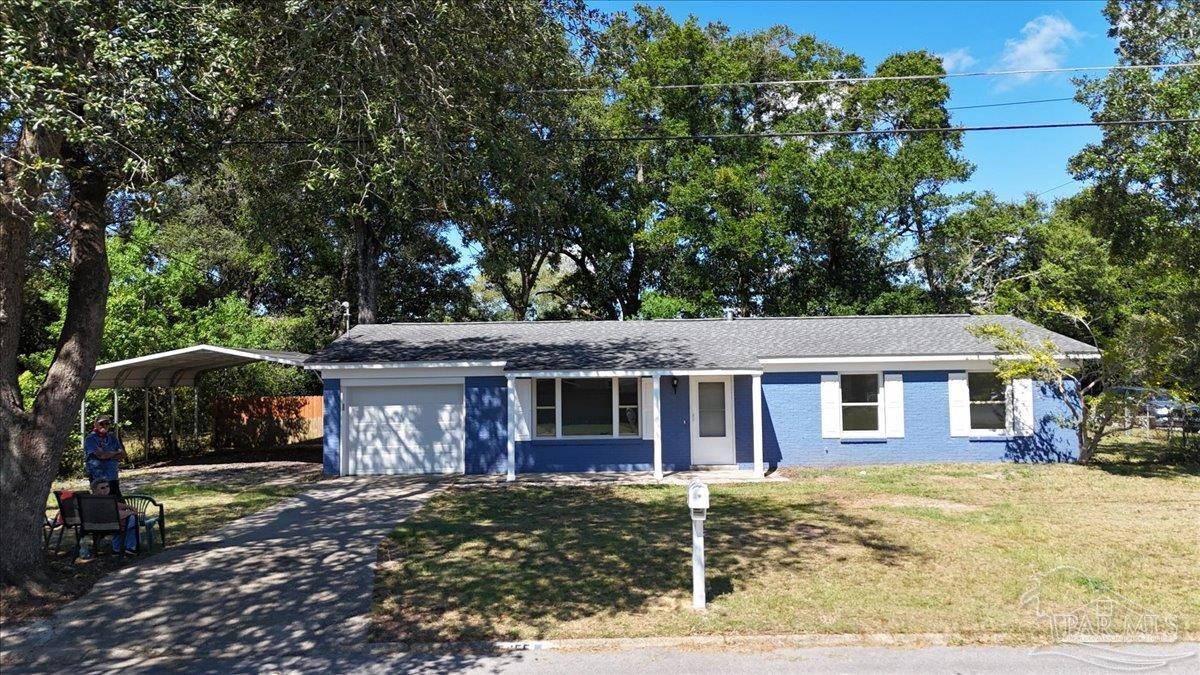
266 421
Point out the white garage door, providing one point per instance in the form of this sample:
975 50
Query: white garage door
405 429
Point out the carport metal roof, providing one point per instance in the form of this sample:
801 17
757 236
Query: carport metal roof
180 367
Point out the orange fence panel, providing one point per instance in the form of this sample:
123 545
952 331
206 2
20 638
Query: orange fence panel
265 421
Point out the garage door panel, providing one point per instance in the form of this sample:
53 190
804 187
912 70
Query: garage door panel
406 429
402 414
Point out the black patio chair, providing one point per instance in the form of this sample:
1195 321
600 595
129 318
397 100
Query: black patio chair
67 518
99 516
150 513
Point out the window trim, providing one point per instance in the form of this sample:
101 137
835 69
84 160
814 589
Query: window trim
881 429
538 406
616 410
636 405
1002 432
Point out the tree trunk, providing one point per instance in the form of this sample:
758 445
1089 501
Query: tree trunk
630 300
19 196
1087 444
367 249
911 218
35 440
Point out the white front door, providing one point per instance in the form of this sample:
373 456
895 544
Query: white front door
712 420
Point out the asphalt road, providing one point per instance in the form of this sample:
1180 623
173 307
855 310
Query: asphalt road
1173 658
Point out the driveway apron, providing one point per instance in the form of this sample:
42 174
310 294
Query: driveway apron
293 578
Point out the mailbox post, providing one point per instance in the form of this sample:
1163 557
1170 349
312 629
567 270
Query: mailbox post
698 504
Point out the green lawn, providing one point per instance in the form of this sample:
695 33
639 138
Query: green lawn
913 549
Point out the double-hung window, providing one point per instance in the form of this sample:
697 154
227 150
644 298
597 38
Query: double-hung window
628 394
988 402
861 413
587 407
545 406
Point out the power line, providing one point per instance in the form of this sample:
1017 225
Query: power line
1001 105
866 132
149 248
760 134
869 78
1056 187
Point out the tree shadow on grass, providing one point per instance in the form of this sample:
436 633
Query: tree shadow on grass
503 564
1148 460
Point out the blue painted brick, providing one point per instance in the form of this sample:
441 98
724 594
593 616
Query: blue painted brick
486 424
743 419
331 444
792 428
487 434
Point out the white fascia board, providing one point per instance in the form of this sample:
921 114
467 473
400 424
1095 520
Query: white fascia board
370 375
351 382
629 373
911 362
911 358
404 364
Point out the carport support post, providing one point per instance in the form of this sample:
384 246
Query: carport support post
510 437
146 420
756 407
657 418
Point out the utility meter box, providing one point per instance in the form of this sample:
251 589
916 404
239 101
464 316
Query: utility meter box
697 499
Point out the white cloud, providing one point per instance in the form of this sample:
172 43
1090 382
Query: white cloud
957 60
1044 43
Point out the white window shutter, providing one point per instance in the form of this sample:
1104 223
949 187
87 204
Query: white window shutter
893 397
646 409
524 417
831 406
960 405
1019 410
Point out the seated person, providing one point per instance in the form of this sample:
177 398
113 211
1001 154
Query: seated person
124 541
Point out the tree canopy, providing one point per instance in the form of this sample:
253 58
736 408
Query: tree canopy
233 172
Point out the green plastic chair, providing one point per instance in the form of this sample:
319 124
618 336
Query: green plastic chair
150 514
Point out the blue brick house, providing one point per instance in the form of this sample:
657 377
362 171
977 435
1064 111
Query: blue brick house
670 395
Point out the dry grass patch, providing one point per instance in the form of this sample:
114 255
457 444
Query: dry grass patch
909 549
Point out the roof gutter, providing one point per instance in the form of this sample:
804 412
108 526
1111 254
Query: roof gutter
912 358
376 365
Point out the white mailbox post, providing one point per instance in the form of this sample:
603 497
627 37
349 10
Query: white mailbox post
698 504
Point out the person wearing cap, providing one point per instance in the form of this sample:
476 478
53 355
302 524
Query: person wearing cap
103 452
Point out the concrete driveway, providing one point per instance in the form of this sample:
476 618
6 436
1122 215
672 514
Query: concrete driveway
293 578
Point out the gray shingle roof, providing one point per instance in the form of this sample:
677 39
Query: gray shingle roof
675 343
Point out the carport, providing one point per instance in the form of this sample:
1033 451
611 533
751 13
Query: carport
172 369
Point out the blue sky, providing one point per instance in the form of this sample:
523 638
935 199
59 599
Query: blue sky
973 36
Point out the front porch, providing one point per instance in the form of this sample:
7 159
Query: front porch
706 425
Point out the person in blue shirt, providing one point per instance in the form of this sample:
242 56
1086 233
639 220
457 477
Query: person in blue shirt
103 452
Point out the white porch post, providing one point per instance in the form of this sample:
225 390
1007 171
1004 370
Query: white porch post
512 427
658 441
82 425
756 407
